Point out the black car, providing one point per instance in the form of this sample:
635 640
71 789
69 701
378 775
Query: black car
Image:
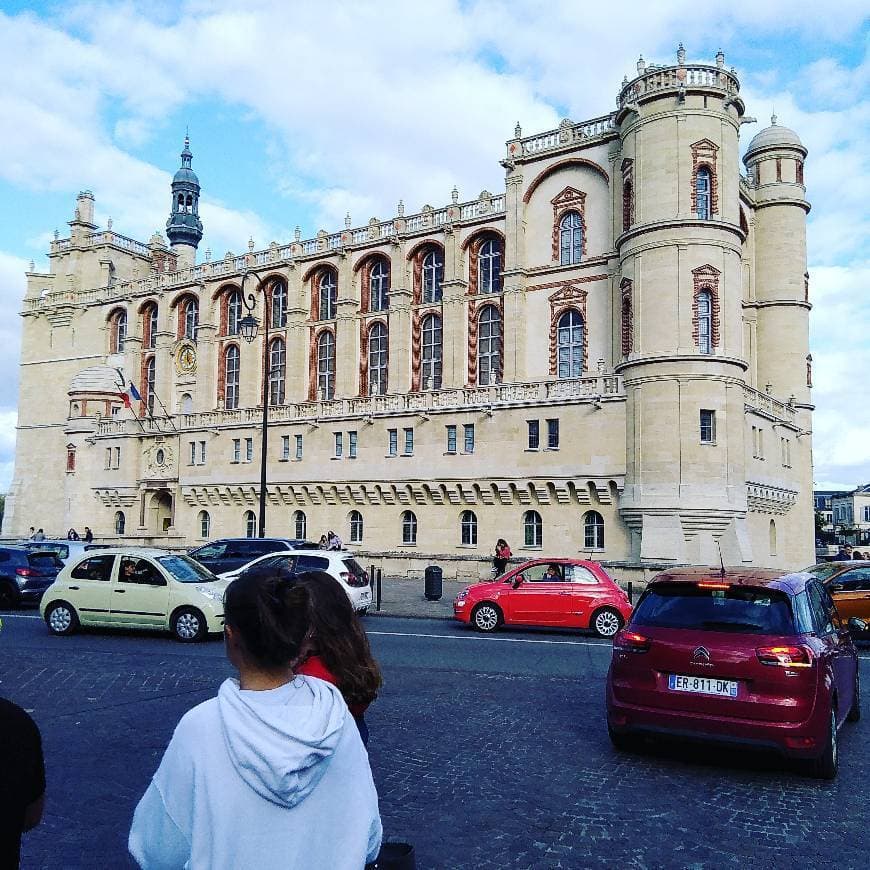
25 575
227 554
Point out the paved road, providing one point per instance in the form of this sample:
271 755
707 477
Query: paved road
488 752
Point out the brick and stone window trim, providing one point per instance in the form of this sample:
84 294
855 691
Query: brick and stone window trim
419 314
706 277
473 244
313 339
627 317
627 194
180 305
313 277
222 370
475 306
115 318
70 457
563 300
705 153
223 297
570 199
364 267
416 257
365 329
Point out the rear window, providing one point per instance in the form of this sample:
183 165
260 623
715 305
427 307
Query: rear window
742 609
47 559
824 571
311 563
354 567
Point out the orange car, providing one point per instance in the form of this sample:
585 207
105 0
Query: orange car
849 586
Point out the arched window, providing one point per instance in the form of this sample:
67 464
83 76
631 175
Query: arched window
149 327
570 239
356 527
703 190
119 332
489 347
279 305
186 403
533 529
378 360
328 294
379 286
430 362
433 276
569 344
150 380
277 370
326 365
231 377
409 527
234 311
705 321
120 522
772 533
191 319
204 524
300 525
593 530
468 528
489 267
250 524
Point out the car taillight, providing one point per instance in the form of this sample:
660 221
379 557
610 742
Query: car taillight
631 641
25 572
709 585
785 656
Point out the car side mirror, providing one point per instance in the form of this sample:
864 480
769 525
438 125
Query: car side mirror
517 582
857 626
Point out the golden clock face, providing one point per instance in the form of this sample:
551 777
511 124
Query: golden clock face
186 359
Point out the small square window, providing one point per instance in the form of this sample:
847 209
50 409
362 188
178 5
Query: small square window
237 449
339 444
409 442
249 449
468 433
708 427
534 434
393 442
298 446
553 434
451 439
351 445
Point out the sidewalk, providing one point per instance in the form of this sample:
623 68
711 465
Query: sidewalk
404 597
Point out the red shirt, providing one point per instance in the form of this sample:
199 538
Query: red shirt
313 666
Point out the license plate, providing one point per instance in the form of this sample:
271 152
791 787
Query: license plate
703 686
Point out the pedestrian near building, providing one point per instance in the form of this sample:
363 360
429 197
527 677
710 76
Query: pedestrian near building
323 543
856 554
271 773
502 554
22 780
333 542
32 533
89 535
844 554
39 536
72 535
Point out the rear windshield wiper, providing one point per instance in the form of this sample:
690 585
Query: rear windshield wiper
724 625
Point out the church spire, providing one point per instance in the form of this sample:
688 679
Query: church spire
184 228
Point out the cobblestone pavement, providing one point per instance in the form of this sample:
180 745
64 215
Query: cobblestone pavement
488 752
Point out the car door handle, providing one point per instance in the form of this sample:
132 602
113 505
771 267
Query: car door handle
74 587
121 591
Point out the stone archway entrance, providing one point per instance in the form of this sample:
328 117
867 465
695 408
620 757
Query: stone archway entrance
160 517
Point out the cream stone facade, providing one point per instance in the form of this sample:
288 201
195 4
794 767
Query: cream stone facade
608 357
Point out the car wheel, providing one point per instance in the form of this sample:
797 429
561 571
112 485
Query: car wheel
825 766
61 618
188 625
486 617
606 622
854 713
622 742
8 596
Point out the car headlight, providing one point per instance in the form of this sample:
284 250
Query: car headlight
210 592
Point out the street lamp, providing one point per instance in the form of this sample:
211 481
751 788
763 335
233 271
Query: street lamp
248 329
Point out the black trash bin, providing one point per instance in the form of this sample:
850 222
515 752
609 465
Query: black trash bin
394 856
432 585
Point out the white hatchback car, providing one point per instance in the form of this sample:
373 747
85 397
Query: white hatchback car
337 563
135 587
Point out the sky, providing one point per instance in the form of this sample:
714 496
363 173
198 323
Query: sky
302 112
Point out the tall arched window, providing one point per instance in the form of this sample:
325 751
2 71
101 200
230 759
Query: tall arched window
570 239
356 527
326 365
120 522
468 528
250 524
277 371
234 311
430 362
191 319
569 344
409 527
703 191
593 530
433 276
204 524
328 294
185 404
231 377
705 321
489 267
489 346
149 326
533 529
279 305
119 331
150 381
379 286
378 360
300 525
772 535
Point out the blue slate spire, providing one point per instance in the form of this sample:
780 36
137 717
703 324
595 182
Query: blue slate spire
184 226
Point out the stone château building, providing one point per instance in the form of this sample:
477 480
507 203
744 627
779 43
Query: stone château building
610 356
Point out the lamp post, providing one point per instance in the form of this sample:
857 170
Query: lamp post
248 328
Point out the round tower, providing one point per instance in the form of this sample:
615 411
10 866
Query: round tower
680 267
184 228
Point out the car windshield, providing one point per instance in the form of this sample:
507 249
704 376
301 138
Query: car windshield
824 571
185 570
753 610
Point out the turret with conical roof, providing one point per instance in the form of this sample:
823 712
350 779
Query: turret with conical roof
184 228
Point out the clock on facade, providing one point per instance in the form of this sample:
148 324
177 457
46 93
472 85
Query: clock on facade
185 359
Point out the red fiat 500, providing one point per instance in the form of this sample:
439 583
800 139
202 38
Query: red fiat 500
741 656
550 592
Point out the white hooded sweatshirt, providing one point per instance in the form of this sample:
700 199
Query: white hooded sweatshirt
272 779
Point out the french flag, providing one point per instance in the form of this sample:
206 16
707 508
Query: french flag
131 393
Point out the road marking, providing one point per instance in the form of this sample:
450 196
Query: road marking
18 616
496 639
